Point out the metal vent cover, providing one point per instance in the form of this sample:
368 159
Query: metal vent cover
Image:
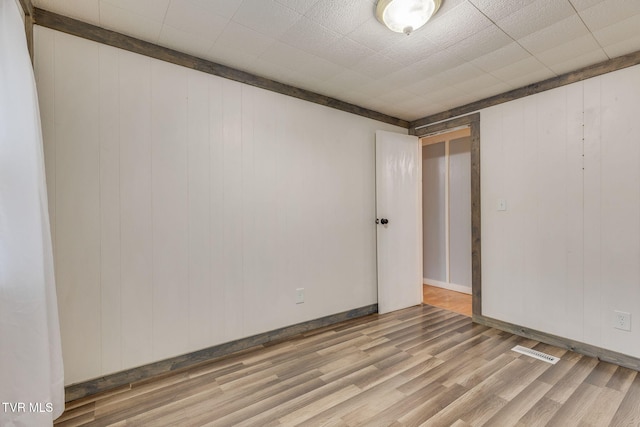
536 354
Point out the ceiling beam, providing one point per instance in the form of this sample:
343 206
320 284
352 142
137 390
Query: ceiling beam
131 44
552 83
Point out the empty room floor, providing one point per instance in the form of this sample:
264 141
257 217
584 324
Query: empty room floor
449 300
419 366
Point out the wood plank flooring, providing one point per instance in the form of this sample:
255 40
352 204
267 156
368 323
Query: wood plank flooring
419 366
449 300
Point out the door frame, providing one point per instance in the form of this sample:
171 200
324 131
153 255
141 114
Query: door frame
473 122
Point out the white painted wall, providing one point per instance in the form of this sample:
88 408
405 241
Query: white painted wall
186 209
566 253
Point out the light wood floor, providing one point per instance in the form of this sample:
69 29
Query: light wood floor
419 366
449 300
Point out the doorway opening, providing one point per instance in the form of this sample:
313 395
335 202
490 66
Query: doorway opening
458 214
446 218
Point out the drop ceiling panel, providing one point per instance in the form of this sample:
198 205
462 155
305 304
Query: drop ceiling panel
609 12
535 16
117 19
151 9
470 49
266 17
565 30
342 16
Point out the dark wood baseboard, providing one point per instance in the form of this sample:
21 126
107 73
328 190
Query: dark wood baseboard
129 376
579 347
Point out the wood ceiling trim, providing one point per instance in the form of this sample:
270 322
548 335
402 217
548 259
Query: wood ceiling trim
604 67
131 44
27 8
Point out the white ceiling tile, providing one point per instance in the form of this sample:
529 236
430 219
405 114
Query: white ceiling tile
624 47
347 80
151 9
609 12
310 37
437 63
580 5
342 16
486 41
502 57
443 94
243 40
527 78
272 70
455 25
395 96
183 41
535 16
374 35
565 30
411 49
423 86
564 51
230 57
575 63
224 8
300 6
377 66
460 74
84 10
346 52
266 17
299 61
479 83
499 9
520 68
622 32
190 18
125 21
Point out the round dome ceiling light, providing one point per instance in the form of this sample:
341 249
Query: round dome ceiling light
406 16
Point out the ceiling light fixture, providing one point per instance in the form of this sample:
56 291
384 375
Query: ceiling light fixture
406 16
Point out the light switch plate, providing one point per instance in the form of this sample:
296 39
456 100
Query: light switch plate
502 205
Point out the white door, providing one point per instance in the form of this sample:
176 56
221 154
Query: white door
399 229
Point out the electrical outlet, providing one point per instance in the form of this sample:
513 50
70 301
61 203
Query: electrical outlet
299 295
622 320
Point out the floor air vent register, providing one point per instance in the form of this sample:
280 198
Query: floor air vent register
536 354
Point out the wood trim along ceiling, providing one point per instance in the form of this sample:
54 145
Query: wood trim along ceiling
579 347
121 41
162 367
604 67
473 121
27 8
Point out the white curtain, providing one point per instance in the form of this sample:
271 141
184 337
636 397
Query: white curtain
31 373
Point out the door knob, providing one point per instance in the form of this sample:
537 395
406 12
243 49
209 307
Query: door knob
384 221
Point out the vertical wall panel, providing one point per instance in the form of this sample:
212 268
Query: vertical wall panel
136 240
216 210
460 211
78 203
593 291
433 212
199 204
111 296
169 209
620 206
232 208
